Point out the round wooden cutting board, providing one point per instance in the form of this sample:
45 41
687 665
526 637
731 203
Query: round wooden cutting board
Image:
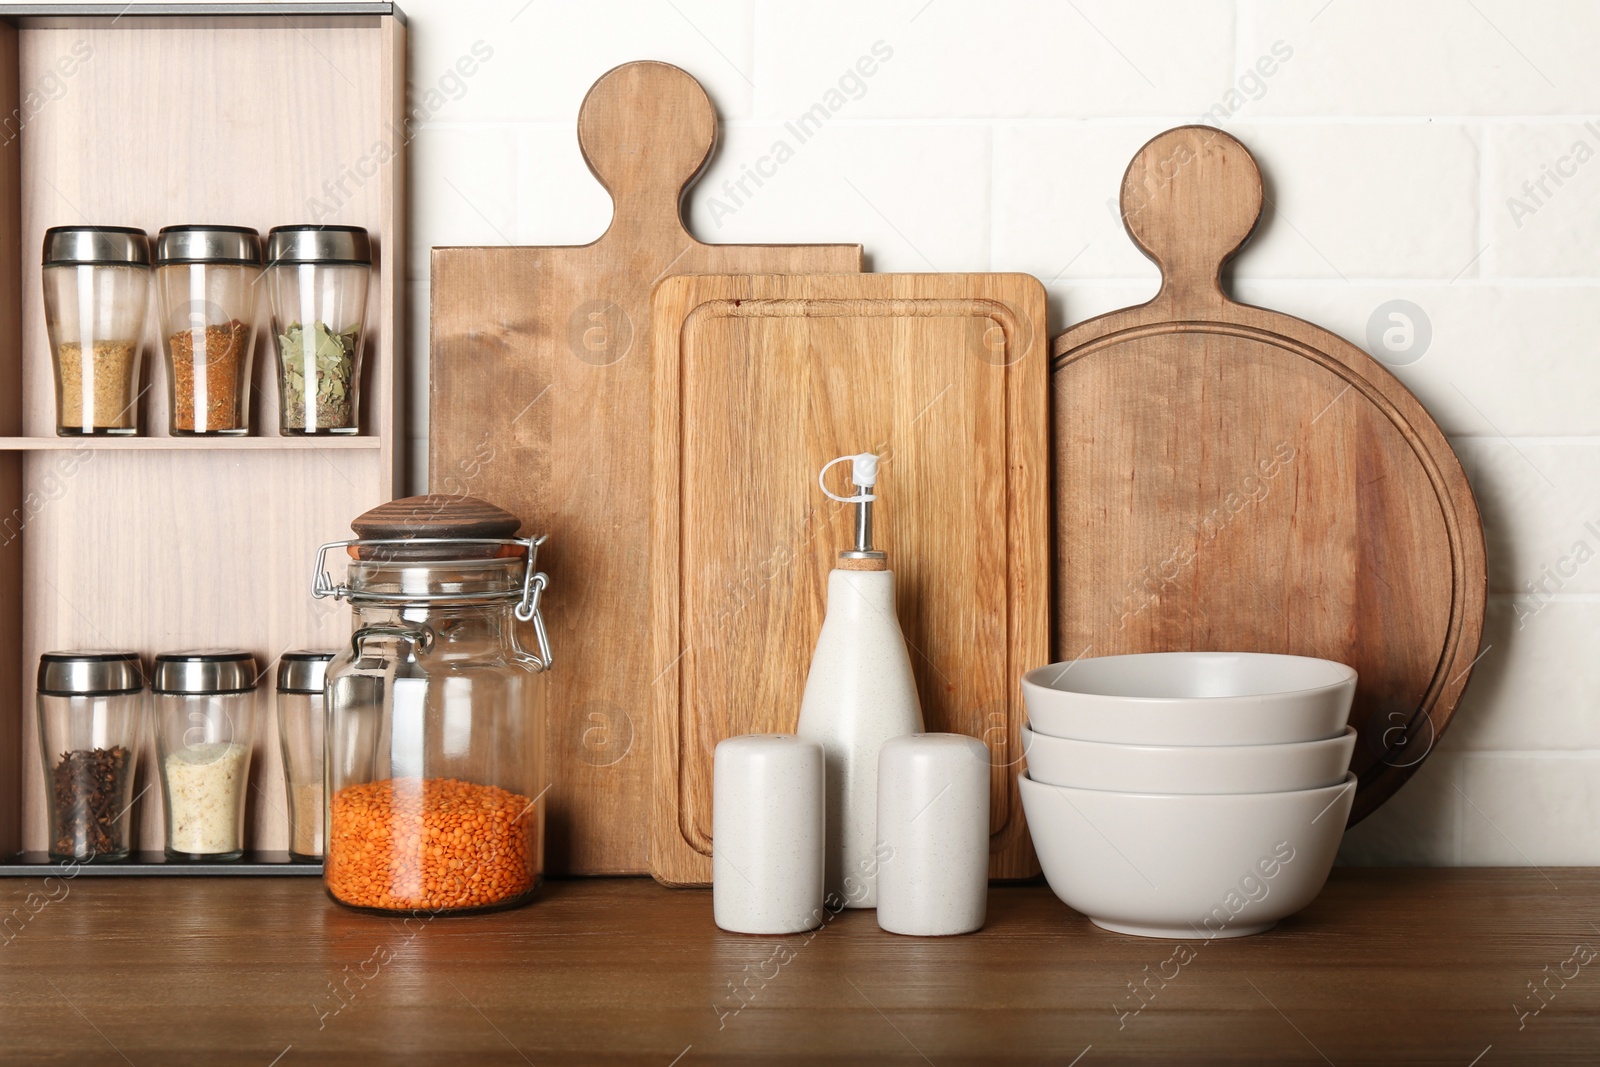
1234 479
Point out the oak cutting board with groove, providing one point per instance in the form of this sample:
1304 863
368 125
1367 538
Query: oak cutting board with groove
759 382
1229 478
540 404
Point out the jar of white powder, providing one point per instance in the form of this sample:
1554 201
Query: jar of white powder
205 714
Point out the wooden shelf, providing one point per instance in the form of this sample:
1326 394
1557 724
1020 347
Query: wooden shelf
189 444
158 543
1386 966
194 10
250 865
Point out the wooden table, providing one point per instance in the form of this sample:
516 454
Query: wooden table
1388 966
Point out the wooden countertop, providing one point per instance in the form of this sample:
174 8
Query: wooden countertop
1387 966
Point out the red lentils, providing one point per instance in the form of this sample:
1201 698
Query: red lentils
437 844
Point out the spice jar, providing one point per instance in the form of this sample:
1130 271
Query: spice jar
91 724
207 278
435 712
302 722
96 288
317 278
205 722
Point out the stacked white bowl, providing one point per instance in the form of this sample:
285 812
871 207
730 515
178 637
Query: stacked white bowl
1188 794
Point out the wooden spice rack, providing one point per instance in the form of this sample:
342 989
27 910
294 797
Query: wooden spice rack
246 114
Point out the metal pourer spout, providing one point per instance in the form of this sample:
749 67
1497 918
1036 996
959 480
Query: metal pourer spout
864 476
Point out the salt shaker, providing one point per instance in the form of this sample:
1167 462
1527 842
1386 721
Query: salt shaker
767 822
933 833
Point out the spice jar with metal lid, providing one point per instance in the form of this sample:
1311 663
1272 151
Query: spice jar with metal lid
435 712
302 724
91 725
205 726
317 279
207 278
96 287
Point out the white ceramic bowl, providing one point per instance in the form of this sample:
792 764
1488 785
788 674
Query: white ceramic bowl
1188 768
1191 698
1186 866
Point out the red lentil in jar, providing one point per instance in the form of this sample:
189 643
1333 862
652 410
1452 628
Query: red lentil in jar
438 818
434 844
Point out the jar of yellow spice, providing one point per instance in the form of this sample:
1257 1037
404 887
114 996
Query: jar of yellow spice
207 279
96 286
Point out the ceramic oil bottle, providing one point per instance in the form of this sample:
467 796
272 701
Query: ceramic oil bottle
859 693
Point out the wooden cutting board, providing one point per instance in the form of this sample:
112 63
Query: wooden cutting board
759 382
540 404
1231 478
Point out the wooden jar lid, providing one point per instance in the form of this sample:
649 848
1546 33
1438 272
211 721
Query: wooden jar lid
436 515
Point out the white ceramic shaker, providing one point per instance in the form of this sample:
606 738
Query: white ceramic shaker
859 693
766 834
933 822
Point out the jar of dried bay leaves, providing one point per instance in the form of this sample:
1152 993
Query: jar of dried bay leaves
318 280
207 277
96 285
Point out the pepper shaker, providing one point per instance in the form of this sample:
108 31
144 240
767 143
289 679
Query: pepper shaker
933 833
767 833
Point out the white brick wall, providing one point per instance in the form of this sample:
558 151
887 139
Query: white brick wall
1391 137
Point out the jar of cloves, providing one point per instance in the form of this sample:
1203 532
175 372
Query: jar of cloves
96 287
207 276
91 725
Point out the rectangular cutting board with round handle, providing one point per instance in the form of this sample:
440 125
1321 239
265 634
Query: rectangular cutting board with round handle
759 382
540 377
1228 478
